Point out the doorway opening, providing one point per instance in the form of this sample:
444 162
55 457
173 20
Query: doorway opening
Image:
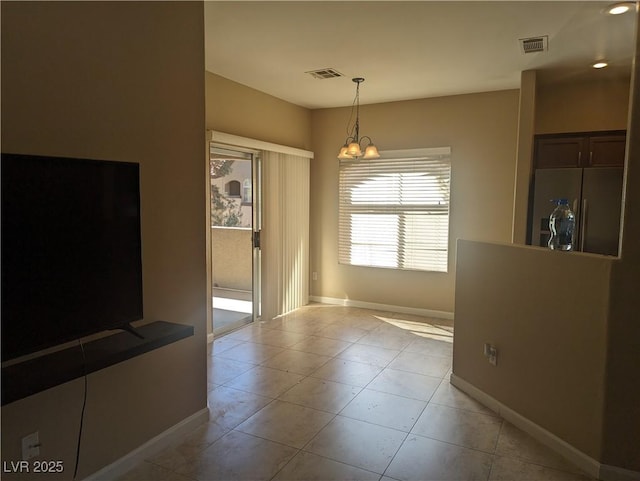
235 251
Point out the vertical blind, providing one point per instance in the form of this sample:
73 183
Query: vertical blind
394 211
285 235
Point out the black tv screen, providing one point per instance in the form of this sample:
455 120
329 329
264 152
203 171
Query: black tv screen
71 250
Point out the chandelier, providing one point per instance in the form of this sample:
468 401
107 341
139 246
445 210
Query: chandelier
353 148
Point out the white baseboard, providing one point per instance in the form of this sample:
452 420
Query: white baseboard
210 338
581 460
383 307
153 446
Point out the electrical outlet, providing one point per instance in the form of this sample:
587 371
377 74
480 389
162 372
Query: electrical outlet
314 276
491 353
31 446
493 356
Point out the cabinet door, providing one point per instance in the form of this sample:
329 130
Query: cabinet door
607 151
560 152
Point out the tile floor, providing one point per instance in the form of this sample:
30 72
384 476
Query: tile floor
337 393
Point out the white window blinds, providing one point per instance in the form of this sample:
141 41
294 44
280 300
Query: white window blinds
394 211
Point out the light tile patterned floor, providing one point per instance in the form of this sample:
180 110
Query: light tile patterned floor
337 393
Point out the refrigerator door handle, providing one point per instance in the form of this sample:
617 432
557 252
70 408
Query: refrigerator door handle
583 224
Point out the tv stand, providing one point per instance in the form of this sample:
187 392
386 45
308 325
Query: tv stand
132 330
44 372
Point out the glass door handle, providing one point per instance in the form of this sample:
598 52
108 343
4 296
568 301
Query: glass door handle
256 239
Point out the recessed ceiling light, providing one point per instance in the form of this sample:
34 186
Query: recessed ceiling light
600 64
619 8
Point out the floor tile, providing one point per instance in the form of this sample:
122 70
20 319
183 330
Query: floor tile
363 320
404 383
347 372
223 343
423 319
449 395
386 338
509 469
322 313
265 381
277 338
342 331
343 393
286 423
296 324
515 443
311 467
423 459
423 327
190 448
250 352
147 470
377 356
431 347
384 409
421 363
239 457
245 333
321 394
464 428
298 362
357 443
321 345
211 385
223 370
229 407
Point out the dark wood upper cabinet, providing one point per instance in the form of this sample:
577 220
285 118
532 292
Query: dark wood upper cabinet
559 152
607 150
584 149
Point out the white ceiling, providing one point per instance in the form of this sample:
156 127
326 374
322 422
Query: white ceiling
408 50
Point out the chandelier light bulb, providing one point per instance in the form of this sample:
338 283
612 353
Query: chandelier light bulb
354 149
371 152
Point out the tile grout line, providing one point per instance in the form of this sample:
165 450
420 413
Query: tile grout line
336 357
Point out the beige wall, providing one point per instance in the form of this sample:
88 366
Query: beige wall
232 255
89 79
526 119
570 367
546 312
236 109
622 413
600 104
481 130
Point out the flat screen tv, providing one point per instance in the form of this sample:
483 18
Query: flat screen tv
71 250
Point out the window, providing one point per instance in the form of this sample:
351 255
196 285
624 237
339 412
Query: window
233 188
246 191
394 211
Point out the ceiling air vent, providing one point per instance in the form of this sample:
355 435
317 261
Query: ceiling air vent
534 44
324 73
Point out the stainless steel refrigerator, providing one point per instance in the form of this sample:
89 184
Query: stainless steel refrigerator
595 197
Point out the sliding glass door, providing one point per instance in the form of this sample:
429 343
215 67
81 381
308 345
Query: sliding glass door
234 177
